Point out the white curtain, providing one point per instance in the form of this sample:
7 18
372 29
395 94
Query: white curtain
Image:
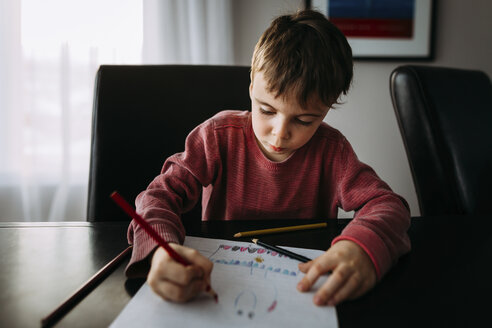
188 32
49 53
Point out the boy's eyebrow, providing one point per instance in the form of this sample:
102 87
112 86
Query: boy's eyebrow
303 114
263 102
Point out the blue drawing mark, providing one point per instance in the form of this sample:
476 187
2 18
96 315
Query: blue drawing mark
245 299
254 265
251 264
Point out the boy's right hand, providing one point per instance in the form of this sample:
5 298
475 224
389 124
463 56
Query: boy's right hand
174 281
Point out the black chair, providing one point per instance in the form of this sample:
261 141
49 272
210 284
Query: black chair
142 115
445 118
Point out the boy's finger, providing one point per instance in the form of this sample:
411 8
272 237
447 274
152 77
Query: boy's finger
332 285
195 257
344 292
176 293
304 267
320 266
176 273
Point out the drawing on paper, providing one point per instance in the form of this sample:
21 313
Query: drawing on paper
249 296
224 254
253 300
259 259
246 301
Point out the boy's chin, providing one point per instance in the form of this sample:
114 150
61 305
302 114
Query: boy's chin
278 157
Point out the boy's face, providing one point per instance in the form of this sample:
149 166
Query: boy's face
280 124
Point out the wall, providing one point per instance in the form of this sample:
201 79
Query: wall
463 38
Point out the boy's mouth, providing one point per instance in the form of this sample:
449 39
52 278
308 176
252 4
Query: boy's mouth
277 149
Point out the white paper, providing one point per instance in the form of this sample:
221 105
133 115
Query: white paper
256 288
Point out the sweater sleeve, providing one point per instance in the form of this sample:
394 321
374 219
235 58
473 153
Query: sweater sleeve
174 191
381 218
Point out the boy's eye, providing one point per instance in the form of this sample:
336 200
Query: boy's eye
303 122
266 112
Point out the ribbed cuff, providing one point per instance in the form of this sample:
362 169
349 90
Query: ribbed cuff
143 246
371 243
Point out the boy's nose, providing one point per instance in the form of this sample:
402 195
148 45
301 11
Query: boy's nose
281 130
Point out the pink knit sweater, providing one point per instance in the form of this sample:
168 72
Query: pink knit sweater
223 160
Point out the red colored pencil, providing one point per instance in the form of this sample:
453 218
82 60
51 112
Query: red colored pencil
132 213
84 290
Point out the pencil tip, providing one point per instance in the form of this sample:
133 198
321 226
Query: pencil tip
237 234
212 292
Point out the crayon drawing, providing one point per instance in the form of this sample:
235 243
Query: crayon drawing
244 257
256 288
252 301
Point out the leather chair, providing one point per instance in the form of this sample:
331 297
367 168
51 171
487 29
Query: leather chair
142 115
445 119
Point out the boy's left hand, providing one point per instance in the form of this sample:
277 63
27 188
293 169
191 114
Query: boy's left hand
352 273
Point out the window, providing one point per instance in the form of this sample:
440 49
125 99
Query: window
52 50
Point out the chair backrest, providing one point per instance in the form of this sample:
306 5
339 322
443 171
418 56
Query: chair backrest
142 115
445 118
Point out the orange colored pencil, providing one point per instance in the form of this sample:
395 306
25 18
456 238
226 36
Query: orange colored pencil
283 229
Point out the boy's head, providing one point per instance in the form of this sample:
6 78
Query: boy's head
301 65
305 56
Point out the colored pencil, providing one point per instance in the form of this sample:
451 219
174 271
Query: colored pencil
132 213
282 251
85 289
283 229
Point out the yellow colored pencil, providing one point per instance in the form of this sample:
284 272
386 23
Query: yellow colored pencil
283 229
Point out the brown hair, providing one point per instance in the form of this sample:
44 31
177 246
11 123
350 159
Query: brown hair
306 54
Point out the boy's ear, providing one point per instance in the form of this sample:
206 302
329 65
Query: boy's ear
250 88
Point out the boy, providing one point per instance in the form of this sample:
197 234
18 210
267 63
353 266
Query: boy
278 161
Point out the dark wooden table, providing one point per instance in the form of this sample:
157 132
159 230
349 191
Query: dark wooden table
446 281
